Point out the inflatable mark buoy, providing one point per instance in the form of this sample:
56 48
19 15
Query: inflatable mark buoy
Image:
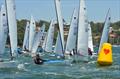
105 55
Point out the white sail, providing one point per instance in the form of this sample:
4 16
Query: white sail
58 47
71 40
105 33
3 29
82 42
90 41
10 4
49 38
26 37
38 37
60 21
42 41
32 32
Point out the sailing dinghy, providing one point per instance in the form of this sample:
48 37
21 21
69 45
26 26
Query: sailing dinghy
105 33
32 32
39 36
48 42
3 31
60 39
82 37
8 25
26 38
12 24
72 36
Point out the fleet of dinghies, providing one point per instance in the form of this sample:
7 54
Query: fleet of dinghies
26 38
78 41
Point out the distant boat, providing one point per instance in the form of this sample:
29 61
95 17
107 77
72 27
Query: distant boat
61 27
90 41
26 38
36 41
58 47
47 47
32 32
82 40
12 24
72 36
105 33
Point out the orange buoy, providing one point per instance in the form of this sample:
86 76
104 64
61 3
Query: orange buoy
105 55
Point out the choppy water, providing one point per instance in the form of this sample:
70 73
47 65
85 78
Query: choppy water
61 70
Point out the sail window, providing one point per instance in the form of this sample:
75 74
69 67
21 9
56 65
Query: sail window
3 14
84 8
74 17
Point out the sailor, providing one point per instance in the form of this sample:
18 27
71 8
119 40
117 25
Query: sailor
38 60
19 51
72 52
89 52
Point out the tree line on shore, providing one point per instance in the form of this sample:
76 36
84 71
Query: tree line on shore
97 28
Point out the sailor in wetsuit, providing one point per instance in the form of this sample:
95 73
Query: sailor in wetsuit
38 60
89 52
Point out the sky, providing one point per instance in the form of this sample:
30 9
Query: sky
45 9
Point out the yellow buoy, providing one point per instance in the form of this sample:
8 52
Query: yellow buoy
105 55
